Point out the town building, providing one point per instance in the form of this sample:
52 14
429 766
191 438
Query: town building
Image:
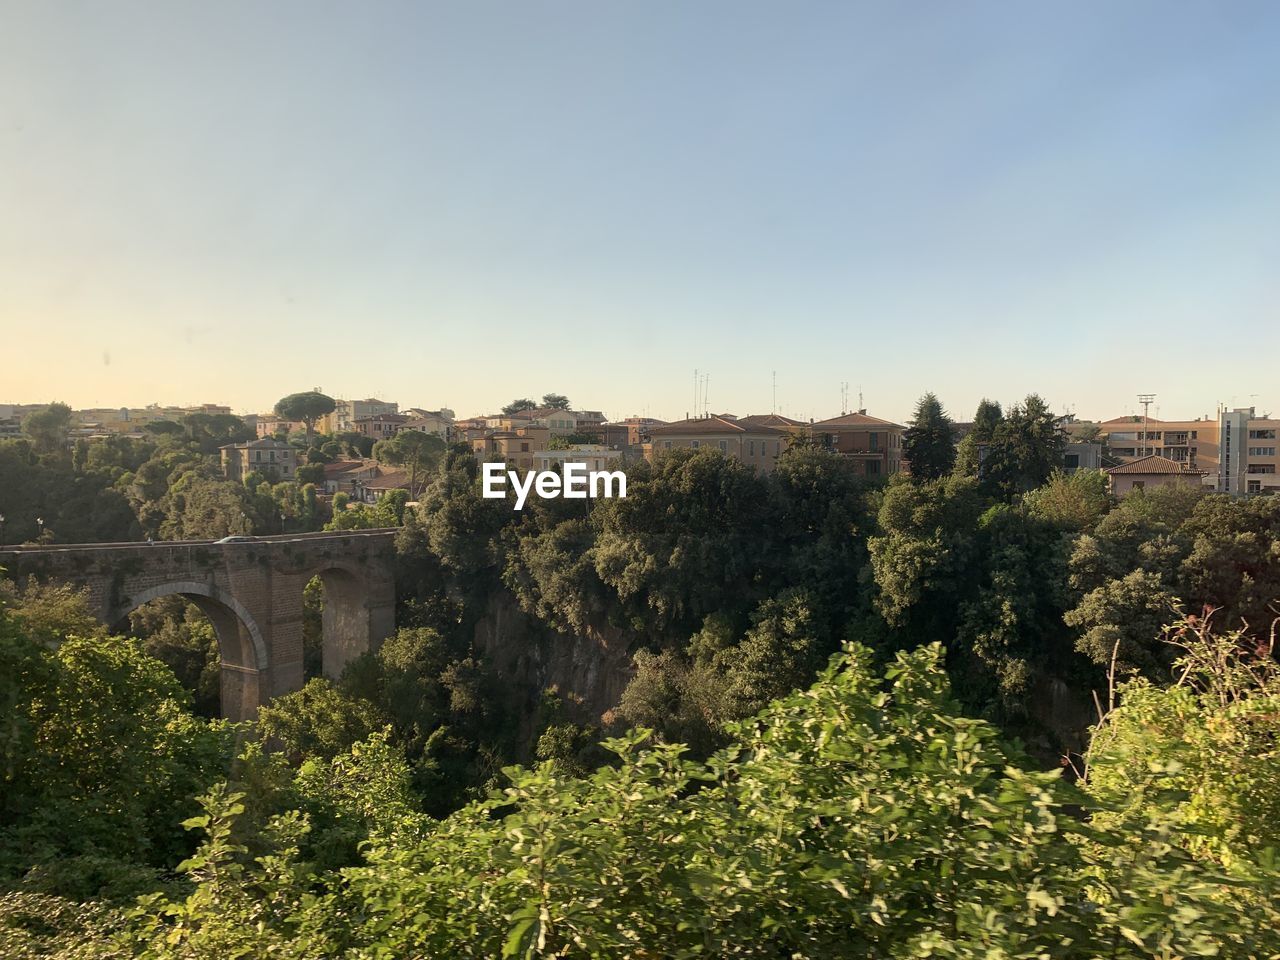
437 422
273 458
430 421
268 425
518 449
1234 452
1081 456
380 426
596 457
347 412
874 444
1148 472
753 443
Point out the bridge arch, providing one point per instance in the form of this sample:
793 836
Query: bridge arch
241 646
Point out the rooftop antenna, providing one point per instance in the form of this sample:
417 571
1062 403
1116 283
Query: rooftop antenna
861 406
695 391
1146 399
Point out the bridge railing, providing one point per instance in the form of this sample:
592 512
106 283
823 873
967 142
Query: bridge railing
143 544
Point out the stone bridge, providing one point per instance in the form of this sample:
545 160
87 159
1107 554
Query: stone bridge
251 591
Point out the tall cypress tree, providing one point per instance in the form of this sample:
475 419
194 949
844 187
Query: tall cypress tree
929 444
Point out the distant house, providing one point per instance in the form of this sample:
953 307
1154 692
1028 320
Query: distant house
518 448
1151 471
757 444
347 412
596 457
561 423
268 425
428 422
437 422
273 458
380 426
874 444
366 481
346 476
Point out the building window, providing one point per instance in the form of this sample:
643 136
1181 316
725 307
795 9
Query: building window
724 446
1255 486
1139 484
666 444
695 444
1193 435
1071 461
873 466
753 448
875 441
1262 468
1262 434
1262 451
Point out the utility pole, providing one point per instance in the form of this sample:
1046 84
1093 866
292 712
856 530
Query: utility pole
1146 399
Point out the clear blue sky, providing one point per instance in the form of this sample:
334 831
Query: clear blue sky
461 203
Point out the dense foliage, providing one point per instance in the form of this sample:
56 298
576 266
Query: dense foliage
746 795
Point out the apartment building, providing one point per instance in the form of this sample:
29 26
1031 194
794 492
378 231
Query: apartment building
268 425
1259 474
347 412
874 444
752 442
273 458
596 456
437 422
1234 452
381 426
519 449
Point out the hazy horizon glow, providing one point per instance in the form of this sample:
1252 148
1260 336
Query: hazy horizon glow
461 203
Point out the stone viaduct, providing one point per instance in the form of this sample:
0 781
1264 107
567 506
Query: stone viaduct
251 591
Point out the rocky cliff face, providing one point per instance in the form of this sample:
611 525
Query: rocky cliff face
589 670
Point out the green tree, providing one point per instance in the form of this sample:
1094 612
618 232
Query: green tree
864 817
1075 501
48 428
970 450
519 406
419 453
1201 752
929 443
317 721
556 401
307 407
1025 449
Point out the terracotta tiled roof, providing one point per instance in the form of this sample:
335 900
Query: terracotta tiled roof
262 443
769 420
700 426
857 420
389 480
340 467
1154 464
